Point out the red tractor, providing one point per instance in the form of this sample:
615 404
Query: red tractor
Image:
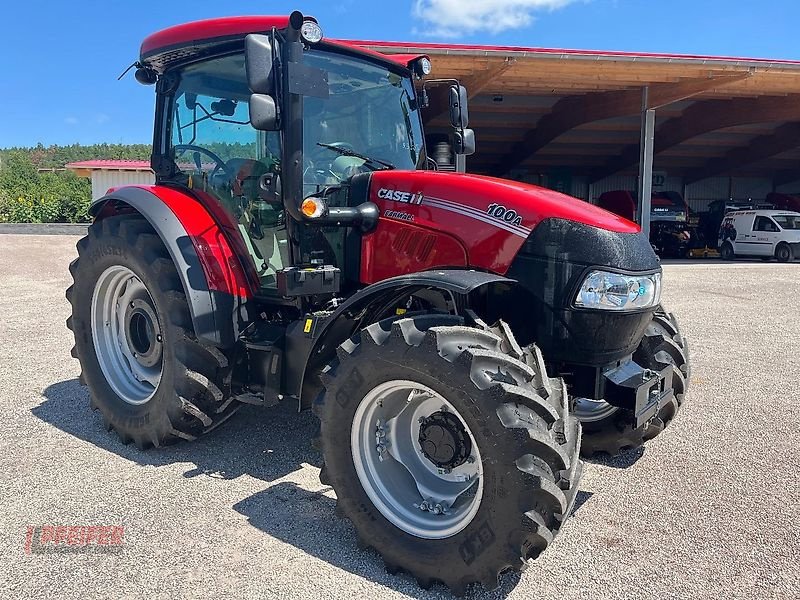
451 332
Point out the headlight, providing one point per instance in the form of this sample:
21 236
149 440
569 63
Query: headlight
613 291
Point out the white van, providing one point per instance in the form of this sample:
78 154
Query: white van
762 233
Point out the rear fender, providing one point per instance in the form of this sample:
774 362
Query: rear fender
466 289
214 280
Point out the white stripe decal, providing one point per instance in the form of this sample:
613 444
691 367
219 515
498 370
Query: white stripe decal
476 214
484 219
479 213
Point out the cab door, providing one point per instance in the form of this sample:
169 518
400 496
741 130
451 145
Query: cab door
764 236
742 236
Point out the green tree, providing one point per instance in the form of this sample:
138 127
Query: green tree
18 175
27 196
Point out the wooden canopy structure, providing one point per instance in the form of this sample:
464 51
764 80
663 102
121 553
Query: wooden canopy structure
535 110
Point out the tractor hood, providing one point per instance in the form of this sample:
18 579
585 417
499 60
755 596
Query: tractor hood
546 241
489 218
532 203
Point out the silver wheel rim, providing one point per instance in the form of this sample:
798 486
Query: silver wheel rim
588 410
403 483
126 334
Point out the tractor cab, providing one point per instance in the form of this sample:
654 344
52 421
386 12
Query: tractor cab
261 117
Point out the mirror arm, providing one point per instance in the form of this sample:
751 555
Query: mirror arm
365 216
278 73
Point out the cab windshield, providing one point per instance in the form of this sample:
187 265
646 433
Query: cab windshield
787 221
371 111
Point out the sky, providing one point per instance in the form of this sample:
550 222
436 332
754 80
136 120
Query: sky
59 61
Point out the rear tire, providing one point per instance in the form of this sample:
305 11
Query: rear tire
726 252
191 394
784 253
517 418
611 432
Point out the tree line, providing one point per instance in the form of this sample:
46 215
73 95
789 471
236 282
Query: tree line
29 193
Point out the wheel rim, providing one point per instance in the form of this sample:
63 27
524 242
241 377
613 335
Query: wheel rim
127 335
588 410
783 253
416 459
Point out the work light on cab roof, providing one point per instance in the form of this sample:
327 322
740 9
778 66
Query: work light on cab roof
311 32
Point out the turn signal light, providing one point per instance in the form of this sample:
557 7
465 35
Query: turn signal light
313 208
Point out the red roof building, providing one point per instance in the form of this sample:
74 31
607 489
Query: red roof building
106 174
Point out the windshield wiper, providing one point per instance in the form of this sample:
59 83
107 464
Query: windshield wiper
353 153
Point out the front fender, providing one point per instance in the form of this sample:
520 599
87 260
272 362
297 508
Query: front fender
365 307
213 278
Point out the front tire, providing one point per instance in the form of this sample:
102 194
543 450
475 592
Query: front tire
425 406
608 429
147 373
784 253
726 252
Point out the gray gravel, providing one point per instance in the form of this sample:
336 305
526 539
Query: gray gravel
709 509
45 228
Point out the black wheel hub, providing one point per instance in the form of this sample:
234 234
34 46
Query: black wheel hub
444 441
143 333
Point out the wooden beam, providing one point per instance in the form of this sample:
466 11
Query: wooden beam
475 84
478 82
705 117
667 93
572 111
786 137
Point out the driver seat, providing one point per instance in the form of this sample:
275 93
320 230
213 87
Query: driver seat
258 217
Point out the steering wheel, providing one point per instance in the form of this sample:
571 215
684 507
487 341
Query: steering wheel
315 162
219 164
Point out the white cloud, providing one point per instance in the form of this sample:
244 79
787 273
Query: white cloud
71 120
343 7
102 118
454 18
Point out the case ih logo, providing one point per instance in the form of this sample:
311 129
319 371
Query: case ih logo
82 539
400 196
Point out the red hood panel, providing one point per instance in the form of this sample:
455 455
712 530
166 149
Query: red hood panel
532 202
492 217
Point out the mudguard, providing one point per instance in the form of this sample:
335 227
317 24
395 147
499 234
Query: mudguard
362 308
215 282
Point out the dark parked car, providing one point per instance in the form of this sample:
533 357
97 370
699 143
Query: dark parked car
670 234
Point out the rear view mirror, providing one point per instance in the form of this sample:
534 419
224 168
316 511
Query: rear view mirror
224 107
258 59
263 112
464 142
459 114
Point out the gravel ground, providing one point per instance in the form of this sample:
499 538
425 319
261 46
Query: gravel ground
708 510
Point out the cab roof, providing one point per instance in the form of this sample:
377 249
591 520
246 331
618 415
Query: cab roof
173 45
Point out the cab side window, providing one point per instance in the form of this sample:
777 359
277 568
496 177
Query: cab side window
765 224
217 152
